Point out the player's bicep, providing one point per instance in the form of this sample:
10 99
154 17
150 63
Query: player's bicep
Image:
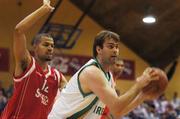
97 83
21 54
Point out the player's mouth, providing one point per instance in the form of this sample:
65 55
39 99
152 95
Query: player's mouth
49 54
114 57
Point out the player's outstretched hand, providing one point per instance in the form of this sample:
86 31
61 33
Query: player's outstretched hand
46 3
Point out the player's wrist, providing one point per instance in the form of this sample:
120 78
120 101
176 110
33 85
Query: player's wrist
47 8
140 82
136 88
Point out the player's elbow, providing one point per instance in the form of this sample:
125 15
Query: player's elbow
116 114
117 110
18 29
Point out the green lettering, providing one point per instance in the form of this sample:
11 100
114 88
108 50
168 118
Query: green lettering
98 111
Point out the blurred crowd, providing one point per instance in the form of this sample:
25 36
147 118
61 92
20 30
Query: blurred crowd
4 96
160 108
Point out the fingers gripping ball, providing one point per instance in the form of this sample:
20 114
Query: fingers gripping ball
156 87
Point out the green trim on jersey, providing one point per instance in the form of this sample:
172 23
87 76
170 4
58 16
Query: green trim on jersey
83 111
79 84
106 74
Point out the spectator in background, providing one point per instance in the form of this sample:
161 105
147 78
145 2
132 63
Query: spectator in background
170 113
2 89
9 91
175 101
3 100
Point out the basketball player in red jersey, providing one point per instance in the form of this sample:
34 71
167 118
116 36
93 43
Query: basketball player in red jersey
35 82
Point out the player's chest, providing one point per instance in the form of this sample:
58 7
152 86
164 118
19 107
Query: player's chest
40 79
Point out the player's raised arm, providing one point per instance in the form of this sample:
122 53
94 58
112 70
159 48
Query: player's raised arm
22 56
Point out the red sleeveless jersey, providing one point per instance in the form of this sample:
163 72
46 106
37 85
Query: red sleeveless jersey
34 93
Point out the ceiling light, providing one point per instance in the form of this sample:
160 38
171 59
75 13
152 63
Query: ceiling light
149 19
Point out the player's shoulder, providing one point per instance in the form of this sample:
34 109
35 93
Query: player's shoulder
92 72
92 69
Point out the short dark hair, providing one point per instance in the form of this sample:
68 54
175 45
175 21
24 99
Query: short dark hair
38 37
100 38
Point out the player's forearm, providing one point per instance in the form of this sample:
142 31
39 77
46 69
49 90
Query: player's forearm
137 101
31 19
126 99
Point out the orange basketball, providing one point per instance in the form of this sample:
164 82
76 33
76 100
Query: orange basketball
157 87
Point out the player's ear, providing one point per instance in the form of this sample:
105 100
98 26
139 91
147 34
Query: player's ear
98 49
35 46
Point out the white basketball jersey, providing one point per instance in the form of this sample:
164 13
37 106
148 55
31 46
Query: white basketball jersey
73 103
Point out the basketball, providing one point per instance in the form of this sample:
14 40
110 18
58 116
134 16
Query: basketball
157 87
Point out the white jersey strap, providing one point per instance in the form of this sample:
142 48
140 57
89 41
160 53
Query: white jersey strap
49 72
58 75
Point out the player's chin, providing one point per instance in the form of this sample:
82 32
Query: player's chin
113 59
48 58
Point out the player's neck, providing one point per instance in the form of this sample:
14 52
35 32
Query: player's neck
43 64
44 67
104 65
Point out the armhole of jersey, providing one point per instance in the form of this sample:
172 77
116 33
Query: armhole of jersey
28 71
79 84
58 74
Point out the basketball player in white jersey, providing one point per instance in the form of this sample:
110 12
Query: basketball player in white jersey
91 88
